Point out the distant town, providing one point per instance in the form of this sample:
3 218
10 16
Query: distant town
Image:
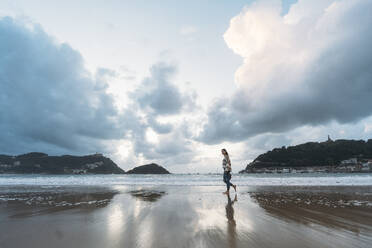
351 165
330 156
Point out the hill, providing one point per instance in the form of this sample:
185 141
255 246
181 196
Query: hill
148 169
311 154
36 162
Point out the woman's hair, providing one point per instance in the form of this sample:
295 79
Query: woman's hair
223 149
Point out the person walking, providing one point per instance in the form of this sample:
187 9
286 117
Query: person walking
226 165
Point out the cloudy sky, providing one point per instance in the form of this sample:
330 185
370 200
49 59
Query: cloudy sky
173 83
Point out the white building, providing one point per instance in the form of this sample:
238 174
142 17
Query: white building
79 171
350 161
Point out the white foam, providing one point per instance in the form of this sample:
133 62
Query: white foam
192 180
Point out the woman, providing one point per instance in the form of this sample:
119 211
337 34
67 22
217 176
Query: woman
226 165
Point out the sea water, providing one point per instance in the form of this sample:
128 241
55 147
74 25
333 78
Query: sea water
308 179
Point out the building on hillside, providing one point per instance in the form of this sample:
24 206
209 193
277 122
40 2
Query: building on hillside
79 171
367 166
350 161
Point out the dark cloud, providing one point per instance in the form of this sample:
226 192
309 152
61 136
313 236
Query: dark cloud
157 95
51 103
315 69
48 101
159 127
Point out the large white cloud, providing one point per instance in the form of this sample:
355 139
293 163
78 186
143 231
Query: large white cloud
309 67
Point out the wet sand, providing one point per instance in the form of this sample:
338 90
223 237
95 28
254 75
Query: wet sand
179 216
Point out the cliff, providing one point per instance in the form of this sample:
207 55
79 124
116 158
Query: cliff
329 153
42 163
148 169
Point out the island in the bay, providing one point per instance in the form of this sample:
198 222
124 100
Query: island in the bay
329 156
148 169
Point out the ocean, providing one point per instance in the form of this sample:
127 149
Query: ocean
183 210
308 179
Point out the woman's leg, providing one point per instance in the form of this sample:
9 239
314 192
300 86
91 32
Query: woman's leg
234 186
225 180
228 177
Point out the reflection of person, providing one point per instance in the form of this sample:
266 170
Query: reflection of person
226 165
231 224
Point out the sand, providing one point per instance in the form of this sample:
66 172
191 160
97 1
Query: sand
179 216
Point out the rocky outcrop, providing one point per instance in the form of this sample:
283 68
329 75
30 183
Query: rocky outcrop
148 169
41 163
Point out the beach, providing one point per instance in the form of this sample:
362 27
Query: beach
185 216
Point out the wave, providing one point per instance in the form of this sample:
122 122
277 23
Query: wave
189 180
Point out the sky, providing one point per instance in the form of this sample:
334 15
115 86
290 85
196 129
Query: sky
173 82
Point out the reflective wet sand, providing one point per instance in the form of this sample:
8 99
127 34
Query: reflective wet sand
179 216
